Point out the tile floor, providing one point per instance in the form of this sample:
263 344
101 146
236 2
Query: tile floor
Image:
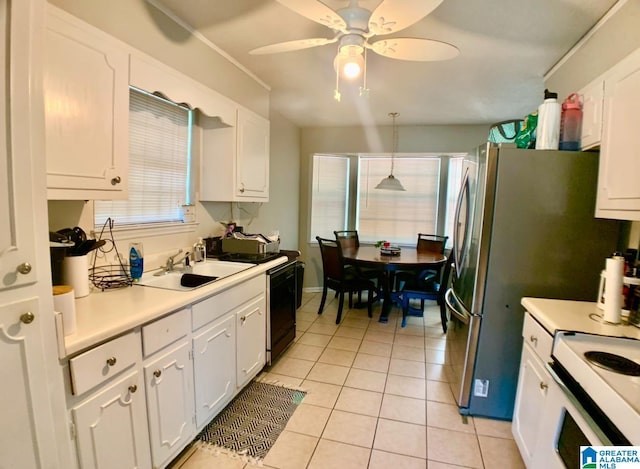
377 398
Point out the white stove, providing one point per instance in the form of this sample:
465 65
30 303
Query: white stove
617 394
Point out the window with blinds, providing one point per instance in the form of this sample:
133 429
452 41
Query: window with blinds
330 189
397 216
159 164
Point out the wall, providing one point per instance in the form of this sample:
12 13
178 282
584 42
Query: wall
411 139
607 44
140 25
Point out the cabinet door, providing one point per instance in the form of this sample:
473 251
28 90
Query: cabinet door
252 340
592 98
533 385
111 427
252 177
25 429
214 368
86 87
169 386
618 188
18 108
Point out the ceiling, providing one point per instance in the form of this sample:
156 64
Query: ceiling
506 47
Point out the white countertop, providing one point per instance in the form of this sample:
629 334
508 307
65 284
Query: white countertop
566 315
106 314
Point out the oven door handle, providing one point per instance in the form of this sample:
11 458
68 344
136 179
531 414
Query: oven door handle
595 428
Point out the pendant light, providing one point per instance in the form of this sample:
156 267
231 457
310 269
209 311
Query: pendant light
390 183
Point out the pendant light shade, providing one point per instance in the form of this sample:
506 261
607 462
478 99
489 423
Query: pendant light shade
390 183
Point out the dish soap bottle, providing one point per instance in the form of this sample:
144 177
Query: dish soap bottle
136 261
199 251
548 131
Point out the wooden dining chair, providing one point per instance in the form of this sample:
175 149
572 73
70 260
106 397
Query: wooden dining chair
421 288
349 239
425 243
339 278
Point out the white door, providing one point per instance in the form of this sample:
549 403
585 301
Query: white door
214 368
111 427
251 335
169 386
533 385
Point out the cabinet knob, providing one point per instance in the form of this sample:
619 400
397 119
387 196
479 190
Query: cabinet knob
243 318
533 339
133 388
116 180
111 361
544 386
157 373
241 188
24 268
27 318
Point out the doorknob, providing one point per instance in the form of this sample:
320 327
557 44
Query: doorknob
27 318
24 268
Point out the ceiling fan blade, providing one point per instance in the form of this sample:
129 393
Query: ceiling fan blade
394 15
292 45
316 11
409 48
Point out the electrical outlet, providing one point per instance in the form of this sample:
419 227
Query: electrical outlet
481 387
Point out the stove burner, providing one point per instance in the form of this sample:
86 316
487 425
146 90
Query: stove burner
612 362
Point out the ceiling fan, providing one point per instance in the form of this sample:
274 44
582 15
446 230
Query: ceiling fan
355 28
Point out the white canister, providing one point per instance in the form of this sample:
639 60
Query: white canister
75 272
64 302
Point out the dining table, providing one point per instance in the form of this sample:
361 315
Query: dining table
408 258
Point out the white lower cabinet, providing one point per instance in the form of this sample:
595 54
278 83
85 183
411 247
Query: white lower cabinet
214 368
533 387
251 347
111 426
169 389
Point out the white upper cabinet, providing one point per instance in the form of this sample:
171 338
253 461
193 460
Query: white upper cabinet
235 160
592 97
618 189
86 87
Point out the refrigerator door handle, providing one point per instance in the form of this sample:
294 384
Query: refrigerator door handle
463 315
459 250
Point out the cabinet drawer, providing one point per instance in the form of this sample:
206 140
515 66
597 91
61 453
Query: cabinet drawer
537 337
103 362
165 331
218 305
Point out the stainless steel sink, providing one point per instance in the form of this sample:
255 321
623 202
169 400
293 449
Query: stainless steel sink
171 280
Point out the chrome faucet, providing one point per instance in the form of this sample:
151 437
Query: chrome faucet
172 262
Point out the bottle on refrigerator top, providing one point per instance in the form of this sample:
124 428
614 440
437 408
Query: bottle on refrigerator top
136 261
571 123
199 251
548 131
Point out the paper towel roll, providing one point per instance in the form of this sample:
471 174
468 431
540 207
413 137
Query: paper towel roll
64 302
75 272
613 289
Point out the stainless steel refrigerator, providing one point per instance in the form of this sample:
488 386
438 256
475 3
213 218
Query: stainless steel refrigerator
524 226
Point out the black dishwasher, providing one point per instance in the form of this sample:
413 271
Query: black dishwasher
282 300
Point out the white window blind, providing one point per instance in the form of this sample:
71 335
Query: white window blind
330 189
398 216
159 158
